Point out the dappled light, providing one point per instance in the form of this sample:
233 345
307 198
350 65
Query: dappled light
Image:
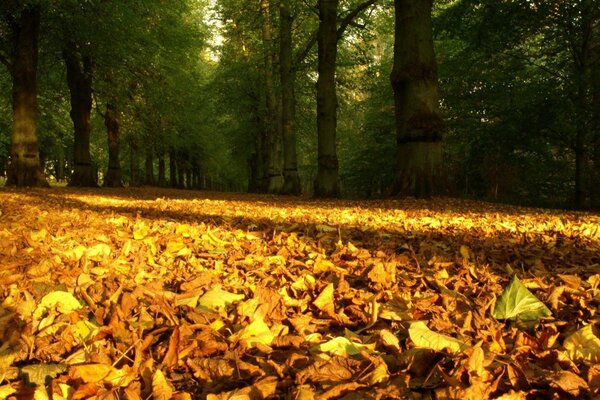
299 199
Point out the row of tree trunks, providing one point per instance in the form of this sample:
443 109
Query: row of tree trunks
25 168
418 120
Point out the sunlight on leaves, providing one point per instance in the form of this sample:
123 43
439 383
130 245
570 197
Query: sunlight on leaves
342 346
422 336
218 299
63 302
161 390
583 345
255 333
324 301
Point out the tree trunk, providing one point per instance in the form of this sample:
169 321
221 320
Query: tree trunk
162 177
595 193
79 79
583 62
287 78
418 120
149 167
111 121
60 163
25 168
180 172
172 169
327 183
134 168
272 131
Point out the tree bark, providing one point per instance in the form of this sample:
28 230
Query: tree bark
272 132
25 168
149 168
582 60
162 177
418 120
327 183
113 176
134 168
291 184
172 168
79 79
595 194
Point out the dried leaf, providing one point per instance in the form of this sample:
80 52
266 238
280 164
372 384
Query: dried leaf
422 336
63 302
217 299
324 301
161 389
342 346
254 334
583 345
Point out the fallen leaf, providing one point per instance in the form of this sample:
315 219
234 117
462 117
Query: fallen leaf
583 345
518 302
422 336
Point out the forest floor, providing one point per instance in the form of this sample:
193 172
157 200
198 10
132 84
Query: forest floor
148 293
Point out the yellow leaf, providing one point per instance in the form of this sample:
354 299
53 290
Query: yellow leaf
378 375
583 345
98 252
63 302
465 252
217 299
84 329
102 373
6 391
140 230
255 333
38 236
174 246
324 301
342 346
161 390
422 336
303 282
323 265
76 253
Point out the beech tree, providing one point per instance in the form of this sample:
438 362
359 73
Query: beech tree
19 31
418 120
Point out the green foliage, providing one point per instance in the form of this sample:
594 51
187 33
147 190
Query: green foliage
517 302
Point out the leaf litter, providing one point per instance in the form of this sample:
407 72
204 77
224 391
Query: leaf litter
140 293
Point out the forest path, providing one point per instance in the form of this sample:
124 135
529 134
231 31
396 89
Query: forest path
186 293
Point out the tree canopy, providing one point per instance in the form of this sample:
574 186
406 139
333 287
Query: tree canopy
246 96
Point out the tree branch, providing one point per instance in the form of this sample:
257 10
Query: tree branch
97 105
351 16
344 23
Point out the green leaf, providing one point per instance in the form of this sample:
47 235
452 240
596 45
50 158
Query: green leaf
517 302
422 336
40 374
